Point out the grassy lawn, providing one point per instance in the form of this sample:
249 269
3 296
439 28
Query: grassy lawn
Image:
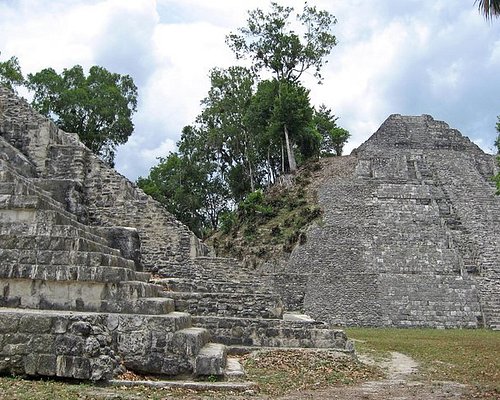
461 355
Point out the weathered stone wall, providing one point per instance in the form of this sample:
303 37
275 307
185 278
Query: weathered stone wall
274 333
109 199
74 301
410 235
56 344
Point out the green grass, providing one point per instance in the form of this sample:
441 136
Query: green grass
462 355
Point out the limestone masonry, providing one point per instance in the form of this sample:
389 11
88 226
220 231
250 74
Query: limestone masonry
96 276
410 235
78 246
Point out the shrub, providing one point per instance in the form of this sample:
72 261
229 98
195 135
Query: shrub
227 221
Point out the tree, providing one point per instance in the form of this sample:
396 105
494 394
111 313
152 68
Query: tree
188 185
333 136
270 43
223 117
489 8
97 107
281 116
10 74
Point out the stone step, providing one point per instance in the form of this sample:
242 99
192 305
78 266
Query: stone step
211 360
208 267
234 370
190 341
229 304
65 257
70 272
8 201
153 306
105 236
254 332
211 286
54 243
91 296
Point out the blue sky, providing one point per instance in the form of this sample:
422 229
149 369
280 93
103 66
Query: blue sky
437 57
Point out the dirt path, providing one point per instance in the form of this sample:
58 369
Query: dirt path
400 384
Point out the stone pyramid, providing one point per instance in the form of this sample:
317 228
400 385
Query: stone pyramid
410 235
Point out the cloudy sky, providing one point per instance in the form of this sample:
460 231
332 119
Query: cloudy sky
437 57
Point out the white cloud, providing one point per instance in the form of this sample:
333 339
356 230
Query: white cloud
410 57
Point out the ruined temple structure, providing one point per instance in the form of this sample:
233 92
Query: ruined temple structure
95 276
410 235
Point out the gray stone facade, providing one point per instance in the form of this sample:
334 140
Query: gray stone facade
78 243
410 235
75 300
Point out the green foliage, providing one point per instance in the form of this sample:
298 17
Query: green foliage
10 73
271 42
269 224
250 132
228 220
189 185
254 206
333 136
97 107
226 133
275 106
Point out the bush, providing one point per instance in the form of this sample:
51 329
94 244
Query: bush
227 221
254 205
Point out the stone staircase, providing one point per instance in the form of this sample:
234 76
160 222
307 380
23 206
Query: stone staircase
72 304
76 298
240 309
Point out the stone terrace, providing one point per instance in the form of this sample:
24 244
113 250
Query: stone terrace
75 302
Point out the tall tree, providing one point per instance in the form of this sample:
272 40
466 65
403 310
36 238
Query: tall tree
272 44
489 8
97 107
223 117
188 184
10 73
274 106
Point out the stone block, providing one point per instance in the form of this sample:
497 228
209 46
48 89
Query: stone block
35 324
211 360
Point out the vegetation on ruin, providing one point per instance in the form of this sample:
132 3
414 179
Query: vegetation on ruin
256 125
98 106
268 224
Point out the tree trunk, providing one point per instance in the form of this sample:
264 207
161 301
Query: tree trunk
291 157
